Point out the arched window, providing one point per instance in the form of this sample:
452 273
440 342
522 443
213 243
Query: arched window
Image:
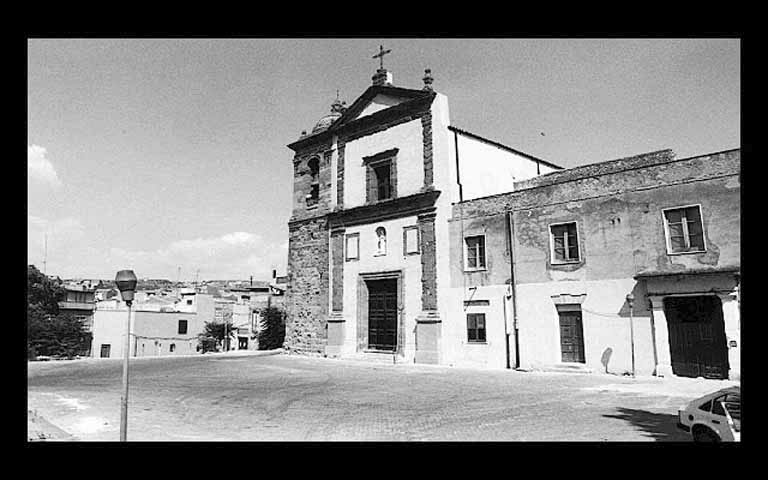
381 241
173 347
314 179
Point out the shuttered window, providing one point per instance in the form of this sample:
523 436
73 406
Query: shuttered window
565 243
684 229
475 252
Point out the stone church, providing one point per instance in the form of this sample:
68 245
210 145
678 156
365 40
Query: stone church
413 240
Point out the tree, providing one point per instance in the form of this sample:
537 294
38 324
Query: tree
43 292
213 334
50 332
272 335
61 335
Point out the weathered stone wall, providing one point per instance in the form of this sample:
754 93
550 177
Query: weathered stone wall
307 293
617 207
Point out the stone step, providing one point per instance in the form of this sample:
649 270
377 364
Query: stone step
372 357
569 368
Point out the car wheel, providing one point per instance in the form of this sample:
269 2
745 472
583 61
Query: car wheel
704 435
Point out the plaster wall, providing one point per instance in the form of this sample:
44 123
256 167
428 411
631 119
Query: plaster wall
457 350
485 169
605 322
152 333
410 162
410 265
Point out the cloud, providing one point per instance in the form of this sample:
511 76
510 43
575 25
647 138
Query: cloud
66 238
40 168
230 256
72 252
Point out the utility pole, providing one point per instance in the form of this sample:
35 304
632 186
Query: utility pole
45 257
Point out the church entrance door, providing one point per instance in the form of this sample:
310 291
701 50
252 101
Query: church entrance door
382 314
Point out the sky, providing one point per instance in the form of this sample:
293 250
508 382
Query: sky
169 156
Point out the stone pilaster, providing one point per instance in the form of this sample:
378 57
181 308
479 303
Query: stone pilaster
428 323
340 174
428 331
426 132
661 338
336 333
426 224
337 270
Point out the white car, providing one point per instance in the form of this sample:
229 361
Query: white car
715 417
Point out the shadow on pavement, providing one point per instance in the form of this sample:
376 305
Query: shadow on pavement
661 427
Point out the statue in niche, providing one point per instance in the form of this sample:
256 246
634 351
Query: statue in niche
381 246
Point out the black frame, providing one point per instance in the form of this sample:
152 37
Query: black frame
475 334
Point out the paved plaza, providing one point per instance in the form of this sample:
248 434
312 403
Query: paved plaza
236 397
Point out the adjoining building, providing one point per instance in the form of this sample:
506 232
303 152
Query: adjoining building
80 301
415 239
550 266
156 328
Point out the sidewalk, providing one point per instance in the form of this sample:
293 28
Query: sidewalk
39 430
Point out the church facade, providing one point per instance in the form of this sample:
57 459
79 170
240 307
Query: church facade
413 240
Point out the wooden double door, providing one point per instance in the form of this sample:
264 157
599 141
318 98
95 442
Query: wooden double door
382 314
697 343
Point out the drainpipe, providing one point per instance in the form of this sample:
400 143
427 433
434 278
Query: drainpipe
513 290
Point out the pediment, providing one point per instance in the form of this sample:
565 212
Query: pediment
380 102
376 99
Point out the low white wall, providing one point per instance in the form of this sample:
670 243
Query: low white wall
605 321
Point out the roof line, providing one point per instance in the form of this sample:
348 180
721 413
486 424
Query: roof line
501 145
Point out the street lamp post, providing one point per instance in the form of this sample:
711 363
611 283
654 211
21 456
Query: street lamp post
631 302
126 283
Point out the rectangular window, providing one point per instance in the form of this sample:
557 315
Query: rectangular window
684 229
182 326
476 327
353 247
189 302
565 243
382 174
410 240
475 252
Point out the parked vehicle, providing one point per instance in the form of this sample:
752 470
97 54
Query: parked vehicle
715 417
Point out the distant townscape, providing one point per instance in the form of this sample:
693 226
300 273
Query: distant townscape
169 318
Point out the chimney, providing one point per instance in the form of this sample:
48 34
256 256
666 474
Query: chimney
382 77
251 280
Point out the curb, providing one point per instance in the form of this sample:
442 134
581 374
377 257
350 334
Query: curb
232 353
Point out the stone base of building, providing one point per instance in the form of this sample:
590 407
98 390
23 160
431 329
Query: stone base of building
428 329
336 324
663 371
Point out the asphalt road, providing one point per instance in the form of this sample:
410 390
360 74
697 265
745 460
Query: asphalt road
292 398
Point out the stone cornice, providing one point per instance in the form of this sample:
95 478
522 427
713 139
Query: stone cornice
386 210
353 128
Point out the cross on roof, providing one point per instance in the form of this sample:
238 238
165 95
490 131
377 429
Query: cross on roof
381 54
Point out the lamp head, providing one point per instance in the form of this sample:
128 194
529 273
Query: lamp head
630 299
126 283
